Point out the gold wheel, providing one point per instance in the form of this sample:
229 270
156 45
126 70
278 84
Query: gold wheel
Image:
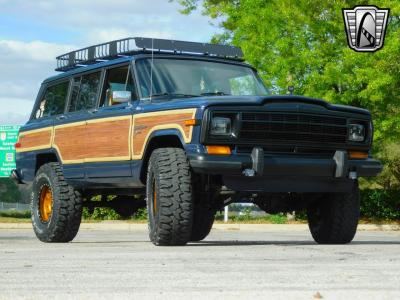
45 203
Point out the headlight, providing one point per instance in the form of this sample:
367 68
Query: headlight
356 132
221 126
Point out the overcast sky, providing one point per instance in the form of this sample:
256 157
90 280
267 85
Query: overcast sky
33 33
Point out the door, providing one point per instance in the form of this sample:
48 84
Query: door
109 128
70 138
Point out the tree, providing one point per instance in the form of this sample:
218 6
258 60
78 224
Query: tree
303 43
9 191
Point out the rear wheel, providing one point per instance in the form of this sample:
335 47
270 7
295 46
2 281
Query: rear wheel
203 221
169 197
204 210
334 219
55 206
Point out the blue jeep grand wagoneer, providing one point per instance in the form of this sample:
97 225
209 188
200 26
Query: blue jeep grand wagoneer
185 129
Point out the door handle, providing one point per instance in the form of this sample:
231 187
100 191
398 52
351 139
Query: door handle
93 111
62 117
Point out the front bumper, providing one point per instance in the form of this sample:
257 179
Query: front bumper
273 165
285 173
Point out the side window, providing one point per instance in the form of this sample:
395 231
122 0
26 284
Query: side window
118 79
84 92
53 102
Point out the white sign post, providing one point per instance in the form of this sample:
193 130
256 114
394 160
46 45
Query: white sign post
226 212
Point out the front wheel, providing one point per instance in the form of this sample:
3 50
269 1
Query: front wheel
56 207
333 219
169 197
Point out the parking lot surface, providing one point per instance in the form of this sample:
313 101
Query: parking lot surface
229 264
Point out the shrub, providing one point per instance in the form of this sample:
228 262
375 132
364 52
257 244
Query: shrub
380 204
389 179
140 215
101 213
277 219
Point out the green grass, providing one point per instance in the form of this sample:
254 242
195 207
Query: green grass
16 214
14 220
248 218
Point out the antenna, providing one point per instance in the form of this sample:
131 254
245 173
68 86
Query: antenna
151 69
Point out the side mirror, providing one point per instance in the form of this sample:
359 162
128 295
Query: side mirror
121 96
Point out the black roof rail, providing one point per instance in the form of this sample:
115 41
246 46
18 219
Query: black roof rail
115 49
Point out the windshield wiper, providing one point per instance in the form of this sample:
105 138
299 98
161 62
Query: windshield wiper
177 95
215 94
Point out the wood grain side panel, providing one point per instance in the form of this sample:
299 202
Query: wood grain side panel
70 143
35 140
143 126
108 139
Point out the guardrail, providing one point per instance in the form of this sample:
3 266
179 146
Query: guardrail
14 206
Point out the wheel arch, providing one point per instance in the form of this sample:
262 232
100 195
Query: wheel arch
160 139
46 157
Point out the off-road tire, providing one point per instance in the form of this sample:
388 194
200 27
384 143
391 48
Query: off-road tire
169 182
203 221
333 219
65 219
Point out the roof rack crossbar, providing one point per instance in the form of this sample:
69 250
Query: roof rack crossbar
119 48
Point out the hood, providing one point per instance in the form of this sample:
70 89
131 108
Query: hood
204 102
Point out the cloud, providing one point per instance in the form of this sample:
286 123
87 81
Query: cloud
98 36
15 110
44 29
13 118
36 50
124 18
24 65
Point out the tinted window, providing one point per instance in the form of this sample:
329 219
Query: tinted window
84 92
118 79
53 102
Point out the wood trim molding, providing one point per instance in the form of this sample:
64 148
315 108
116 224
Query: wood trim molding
106 139
37 139
147 123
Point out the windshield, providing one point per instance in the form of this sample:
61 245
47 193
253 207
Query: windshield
191 78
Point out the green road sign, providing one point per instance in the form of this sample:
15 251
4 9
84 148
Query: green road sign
8 137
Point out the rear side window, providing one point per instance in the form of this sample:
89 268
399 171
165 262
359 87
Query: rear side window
85 92
53 101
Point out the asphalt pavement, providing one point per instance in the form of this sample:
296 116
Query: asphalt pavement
232 263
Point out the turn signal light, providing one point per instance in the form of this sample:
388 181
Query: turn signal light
358 154
219 150
191 122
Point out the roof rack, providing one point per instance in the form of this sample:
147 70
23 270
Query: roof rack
115 49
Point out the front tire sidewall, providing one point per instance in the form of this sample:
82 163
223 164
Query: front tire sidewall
44 230
153 219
